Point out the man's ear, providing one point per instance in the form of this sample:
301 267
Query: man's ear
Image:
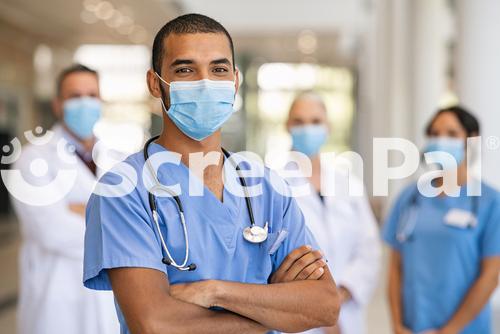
237 79
57 107
153 84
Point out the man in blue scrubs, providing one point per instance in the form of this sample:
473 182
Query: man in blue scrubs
229 292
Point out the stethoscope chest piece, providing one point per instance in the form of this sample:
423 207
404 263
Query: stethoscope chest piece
255 234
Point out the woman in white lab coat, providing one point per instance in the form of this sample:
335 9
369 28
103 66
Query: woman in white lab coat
343 225
51 214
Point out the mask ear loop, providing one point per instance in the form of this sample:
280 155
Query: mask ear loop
163 80
161 99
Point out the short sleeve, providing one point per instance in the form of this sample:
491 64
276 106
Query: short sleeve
298 233
389 230
119 233
490 241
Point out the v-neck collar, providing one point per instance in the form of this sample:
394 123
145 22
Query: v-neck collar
172 173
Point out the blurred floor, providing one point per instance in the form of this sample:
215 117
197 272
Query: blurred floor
378 319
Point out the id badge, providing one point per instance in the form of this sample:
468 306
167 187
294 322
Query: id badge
460 218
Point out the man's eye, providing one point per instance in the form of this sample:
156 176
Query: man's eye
183 70
220 70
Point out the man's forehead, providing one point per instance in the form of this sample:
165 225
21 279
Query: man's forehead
307 106
78 77
308 103
79 80
197 45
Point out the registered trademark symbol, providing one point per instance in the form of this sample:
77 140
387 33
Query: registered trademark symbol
493 142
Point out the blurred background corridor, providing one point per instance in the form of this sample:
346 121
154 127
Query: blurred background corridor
383 68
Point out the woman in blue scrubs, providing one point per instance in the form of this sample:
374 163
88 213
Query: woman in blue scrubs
445 251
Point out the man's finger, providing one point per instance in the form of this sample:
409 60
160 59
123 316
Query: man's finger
307 271
317 274
302 263
293 256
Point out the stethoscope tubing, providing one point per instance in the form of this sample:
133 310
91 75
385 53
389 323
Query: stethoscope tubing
169 260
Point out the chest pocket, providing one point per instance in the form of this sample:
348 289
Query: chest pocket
275 240
260 257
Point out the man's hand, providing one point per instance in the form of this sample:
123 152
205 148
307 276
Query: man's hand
199 293
301 264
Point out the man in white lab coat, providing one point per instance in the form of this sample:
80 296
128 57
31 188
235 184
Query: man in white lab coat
343 225
52 297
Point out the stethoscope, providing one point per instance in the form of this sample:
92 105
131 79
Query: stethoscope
253 233
408 219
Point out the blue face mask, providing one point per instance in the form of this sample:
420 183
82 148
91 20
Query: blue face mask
81 114
453 146
308 139
199 108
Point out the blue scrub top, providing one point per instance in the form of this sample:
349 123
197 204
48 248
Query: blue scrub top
121 232
441 262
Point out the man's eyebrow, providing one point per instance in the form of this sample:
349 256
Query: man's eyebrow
182 62
220 61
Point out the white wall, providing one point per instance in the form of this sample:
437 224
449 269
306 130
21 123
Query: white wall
478 73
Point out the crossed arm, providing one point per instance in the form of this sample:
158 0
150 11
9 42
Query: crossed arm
303 296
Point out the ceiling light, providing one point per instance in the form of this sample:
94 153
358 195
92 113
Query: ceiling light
115 20
139 34
104 10
91 5
127 26
88 17
307 42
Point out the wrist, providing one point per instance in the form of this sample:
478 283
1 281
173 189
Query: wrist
215 293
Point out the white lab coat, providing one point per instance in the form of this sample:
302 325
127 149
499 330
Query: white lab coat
346 231
52 297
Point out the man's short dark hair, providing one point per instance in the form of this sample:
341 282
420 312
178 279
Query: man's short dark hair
75 68
186 24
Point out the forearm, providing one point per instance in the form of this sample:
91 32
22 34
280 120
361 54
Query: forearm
473 302
148 307
195 319
288 307
178 317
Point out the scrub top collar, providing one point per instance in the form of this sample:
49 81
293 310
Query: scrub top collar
170 174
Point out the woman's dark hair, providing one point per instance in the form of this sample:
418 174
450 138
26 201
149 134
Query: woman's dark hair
468 121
